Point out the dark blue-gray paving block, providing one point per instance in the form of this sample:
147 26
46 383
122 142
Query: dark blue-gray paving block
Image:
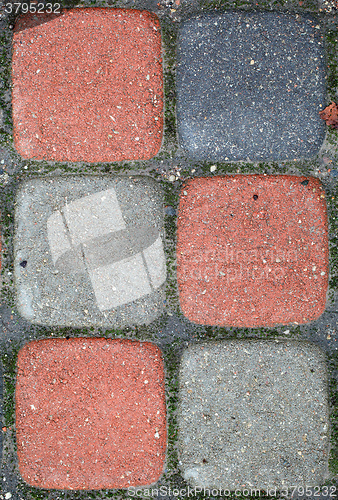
250 86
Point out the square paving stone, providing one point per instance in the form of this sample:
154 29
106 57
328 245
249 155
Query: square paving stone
250 85
89 251
252 250
90 413
88 85
253 415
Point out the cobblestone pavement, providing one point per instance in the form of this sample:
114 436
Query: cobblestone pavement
169 258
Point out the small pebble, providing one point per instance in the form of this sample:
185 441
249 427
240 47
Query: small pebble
170 211
172 178
185 193
8 495
326 160
213 168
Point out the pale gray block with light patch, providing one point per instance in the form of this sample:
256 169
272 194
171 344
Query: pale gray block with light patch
94 251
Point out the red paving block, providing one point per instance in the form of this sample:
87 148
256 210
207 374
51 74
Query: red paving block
252 250
88 85
90 413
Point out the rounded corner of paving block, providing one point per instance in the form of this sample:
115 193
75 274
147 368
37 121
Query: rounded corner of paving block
26 185
261 414
116 50
252 250
315 351
227 81
116 438
89 251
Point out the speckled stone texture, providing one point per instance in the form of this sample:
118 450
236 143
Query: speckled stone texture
250 86
1 412
252 250
88 85
253 414
90 413
89 251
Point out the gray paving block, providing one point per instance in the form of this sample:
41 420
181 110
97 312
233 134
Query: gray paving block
253 414
250 85
89 251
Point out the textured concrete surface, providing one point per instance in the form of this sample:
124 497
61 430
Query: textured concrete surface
88 85
253 414
252 250
172 331
90 413
250 86
89 251
1 412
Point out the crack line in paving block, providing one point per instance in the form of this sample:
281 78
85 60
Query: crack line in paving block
74 253
147 271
